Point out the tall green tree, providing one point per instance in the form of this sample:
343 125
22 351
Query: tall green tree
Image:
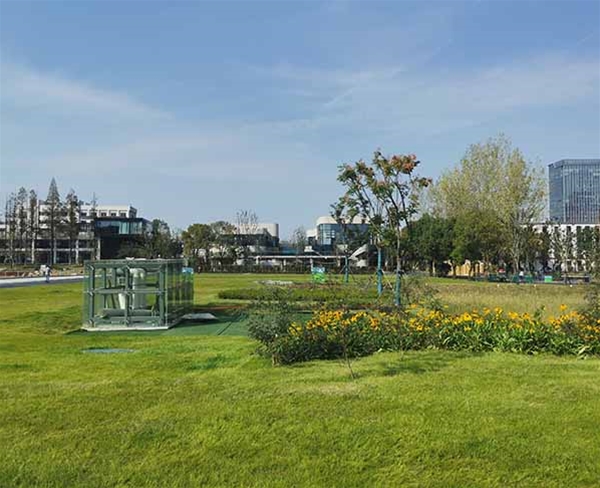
159 241
33 222
197 241
476 240
223 242
432 242
10 228
21 223
71 224
494 180
53 218
386 193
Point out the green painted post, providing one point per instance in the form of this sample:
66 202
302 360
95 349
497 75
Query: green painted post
346 270
379 273
397 298
91 294
127 291
104 283
162 296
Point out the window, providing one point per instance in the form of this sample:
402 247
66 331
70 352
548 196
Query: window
122 214
102 214
113 214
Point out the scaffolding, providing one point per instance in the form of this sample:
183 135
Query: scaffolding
136 294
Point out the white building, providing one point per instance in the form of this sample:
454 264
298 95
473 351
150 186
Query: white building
87 211
41 249
564 238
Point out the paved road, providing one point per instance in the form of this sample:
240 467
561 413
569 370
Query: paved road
18 282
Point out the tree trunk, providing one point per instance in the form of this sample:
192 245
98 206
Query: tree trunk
397 299
379 273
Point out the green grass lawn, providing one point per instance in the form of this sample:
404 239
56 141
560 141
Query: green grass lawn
186 409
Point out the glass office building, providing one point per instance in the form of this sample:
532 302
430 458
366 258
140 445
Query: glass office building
328 234
575 191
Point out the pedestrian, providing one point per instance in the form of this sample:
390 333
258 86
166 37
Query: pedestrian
48 271
521 276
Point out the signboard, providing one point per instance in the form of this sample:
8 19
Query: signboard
318 274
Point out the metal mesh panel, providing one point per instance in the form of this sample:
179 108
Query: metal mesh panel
138 293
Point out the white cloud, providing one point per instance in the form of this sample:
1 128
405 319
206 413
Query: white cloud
23 86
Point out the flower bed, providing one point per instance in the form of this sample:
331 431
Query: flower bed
335 334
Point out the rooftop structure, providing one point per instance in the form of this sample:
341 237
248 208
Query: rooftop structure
88 212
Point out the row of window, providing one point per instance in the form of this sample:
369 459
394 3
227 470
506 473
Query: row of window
104 214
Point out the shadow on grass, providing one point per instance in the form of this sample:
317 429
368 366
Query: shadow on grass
416 362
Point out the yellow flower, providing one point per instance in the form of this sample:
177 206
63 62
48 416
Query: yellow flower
563 307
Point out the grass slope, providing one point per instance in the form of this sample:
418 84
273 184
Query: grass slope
191 410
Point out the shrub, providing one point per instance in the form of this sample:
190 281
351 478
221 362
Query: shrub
592 298
270 317
332 334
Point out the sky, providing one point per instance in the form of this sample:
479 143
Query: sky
193 110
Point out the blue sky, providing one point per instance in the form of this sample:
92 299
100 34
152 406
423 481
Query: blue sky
191 110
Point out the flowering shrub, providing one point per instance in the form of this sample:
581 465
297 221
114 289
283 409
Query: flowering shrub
335 334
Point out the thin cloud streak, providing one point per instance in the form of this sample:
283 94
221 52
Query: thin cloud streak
418 104
23 86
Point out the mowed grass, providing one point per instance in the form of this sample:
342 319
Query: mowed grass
202 410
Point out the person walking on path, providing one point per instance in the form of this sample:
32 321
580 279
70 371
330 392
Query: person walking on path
47 273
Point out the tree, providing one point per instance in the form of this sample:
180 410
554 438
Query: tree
584 238
53 217
72 210
223 232
544 248
298 239
432 242
247 222
93 214
495 181
159 244
386 194
197 241
595 252
476 240
247 226
21 224
10 222
32 222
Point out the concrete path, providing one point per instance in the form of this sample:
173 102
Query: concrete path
54 280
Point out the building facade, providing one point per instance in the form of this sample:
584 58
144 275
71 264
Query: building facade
99 233
574 186
330 236
255 239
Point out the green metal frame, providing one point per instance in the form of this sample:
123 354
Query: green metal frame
136 293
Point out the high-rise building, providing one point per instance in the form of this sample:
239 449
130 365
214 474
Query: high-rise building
575 191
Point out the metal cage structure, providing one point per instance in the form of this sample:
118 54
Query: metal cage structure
136 294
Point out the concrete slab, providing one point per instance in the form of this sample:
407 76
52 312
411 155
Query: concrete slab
120 328
199 316
18 282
